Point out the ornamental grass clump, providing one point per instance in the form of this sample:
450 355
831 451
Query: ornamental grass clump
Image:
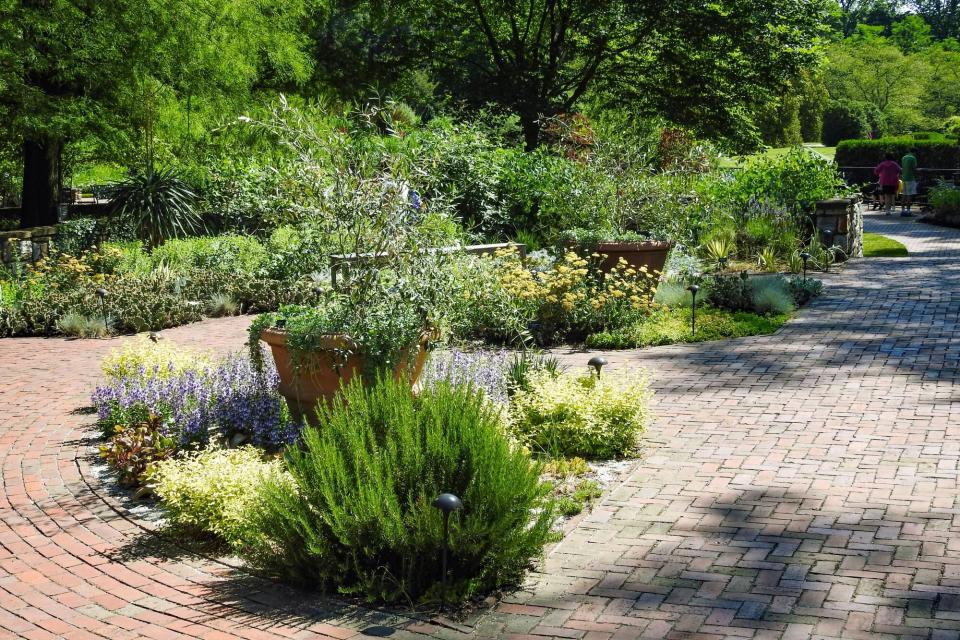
594 417
214 491
360 518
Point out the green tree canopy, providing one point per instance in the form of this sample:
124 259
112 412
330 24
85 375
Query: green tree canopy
704 65
877 72
911 34
943 16
76 68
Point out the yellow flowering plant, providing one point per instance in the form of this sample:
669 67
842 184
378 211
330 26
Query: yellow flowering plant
572 297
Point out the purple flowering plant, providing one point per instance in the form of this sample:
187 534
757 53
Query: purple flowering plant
229 397
486 370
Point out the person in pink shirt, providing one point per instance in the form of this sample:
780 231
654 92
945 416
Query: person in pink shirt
889 172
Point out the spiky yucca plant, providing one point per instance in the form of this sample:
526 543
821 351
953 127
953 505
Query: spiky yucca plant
160 206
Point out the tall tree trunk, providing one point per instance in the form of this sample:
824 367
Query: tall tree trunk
41 182
530 123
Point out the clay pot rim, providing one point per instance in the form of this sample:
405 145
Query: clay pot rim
328 341
634 244
334 341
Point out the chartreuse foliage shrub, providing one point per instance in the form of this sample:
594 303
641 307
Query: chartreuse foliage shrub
359 519
215 490
595 417
671 326
162 359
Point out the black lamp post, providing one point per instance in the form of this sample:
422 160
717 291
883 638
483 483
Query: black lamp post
598 363
827 237
828 242
805 256
102 294
446 502
723 262
693 289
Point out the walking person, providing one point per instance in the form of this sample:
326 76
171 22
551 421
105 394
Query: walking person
889 174
909 165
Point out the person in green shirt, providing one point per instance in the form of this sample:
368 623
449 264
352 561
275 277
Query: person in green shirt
909 165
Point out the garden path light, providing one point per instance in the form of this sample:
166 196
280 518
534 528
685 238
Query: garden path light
598 363
693 289
447 503
805 256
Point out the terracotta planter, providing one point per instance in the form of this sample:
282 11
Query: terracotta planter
332 366
652 255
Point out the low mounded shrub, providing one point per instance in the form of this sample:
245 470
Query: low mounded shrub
134 449
945 199
215 490
594 417
770 295
360 519
804 290
729 291
81 326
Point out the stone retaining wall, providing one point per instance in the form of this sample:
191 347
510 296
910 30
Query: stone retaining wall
26 245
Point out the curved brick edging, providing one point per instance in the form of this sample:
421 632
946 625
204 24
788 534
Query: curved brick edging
798 485
77 558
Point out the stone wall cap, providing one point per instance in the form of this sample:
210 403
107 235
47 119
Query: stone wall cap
832 203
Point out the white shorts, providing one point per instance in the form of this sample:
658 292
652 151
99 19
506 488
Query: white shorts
910 188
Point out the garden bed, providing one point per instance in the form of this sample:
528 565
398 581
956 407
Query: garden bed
211 439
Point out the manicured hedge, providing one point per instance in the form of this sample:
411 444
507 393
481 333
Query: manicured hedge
868 153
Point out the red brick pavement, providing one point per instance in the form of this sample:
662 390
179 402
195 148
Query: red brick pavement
801 485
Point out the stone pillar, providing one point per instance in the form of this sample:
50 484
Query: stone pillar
839 223
43 239
14 246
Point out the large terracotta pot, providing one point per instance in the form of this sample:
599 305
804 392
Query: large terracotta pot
333 365
652 255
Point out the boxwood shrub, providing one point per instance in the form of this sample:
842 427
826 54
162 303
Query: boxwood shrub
934 154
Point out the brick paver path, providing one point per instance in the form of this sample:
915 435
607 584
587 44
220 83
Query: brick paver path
796 485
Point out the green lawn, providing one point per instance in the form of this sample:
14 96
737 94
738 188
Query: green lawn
104 173
672 326
878 246
776 152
